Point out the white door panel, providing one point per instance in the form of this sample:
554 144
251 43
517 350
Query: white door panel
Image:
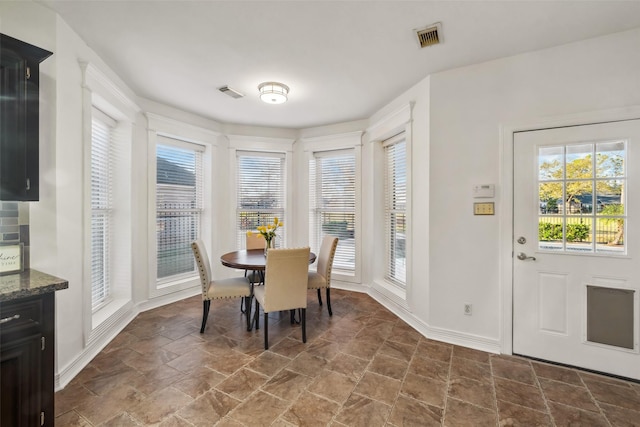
576 231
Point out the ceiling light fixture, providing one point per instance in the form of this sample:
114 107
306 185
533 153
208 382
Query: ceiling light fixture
273 92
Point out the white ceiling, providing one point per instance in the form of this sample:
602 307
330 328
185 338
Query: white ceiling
343 60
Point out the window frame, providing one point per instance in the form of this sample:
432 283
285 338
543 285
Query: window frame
391 208
317 208
395 120
280 212
198 209
569 215
265 145
320 144
160 127
106 209
100 92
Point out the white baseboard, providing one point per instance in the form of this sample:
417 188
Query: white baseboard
110 329
94 347
348 286
168 298
116 325
452 337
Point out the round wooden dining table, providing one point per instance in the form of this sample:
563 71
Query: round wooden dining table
252 259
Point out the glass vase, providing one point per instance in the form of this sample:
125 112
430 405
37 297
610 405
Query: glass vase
268 244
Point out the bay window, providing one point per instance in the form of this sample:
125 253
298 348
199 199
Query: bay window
260 191
395 209
332 199
179 207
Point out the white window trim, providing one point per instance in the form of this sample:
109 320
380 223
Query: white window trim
111 125
261 145
179 144
387 143
101 92
393 123
178 131
343 141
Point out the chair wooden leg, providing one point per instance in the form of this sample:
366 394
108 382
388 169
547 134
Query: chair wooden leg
256 316
266 331
329 301
205 313
242 305
303 320
319 298
247 308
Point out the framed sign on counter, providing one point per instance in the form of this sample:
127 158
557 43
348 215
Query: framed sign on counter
11 258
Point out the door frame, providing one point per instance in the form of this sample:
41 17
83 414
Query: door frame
506 176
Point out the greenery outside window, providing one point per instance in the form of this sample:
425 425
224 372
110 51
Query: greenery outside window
582 189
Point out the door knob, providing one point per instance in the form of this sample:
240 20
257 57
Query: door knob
523 257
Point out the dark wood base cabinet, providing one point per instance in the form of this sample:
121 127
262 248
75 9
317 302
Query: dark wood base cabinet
27 364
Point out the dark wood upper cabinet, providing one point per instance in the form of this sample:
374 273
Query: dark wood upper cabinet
19 123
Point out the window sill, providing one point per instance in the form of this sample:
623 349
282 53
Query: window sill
107 316
392 292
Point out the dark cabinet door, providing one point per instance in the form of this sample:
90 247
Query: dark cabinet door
20 373
19 119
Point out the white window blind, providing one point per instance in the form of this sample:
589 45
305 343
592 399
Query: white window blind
395 192
260 193
179 205
332 198
102 160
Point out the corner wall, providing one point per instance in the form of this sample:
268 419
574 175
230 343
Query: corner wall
468 107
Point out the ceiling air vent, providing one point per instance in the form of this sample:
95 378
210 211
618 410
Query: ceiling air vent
430 35
231 92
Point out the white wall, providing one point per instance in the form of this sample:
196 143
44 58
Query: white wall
468 106
455 131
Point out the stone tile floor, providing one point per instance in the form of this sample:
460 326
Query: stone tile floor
361 367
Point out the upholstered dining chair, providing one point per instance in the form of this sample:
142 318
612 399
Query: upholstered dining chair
321 278
235 287
285 287
254 240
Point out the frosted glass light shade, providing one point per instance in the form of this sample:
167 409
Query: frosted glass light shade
273 92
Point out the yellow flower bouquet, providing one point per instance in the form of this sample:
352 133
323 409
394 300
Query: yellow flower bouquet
268 232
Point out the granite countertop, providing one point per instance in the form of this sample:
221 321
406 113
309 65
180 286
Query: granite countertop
29 283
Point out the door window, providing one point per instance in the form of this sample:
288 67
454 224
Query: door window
581 198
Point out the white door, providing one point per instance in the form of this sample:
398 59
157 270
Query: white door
576 260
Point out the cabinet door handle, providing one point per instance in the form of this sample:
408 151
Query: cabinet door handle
28 184
9 319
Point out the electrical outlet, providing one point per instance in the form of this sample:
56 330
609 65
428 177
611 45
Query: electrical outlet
468 309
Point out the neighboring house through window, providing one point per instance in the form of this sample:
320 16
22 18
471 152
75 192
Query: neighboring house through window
179 207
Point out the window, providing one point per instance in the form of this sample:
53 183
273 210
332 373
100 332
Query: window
107 229
102 160
179 206
581 197
395 205
332 198
260 192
